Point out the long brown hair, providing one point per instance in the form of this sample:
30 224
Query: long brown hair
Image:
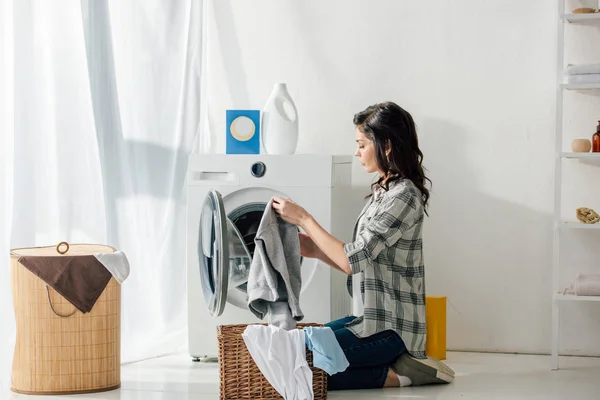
391 128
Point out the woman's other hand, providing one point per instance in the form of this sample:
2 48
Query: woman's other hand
290 211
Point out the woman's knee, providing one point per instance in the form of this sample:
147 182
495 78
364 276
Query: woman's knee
339 323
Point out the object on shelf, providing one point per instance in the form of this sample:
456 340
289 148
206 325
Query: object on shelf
596 140
585 285
243 131
587 215
583 79
581 145
280 122
584 10
583 73
582 69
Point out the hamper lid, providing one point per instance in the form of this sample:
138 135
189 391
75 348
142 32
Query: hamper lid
63 248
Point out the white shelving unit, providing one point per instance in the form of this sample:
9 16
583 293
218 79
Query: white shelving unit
575 18
561 156
570 297
581 156
580 86
577 225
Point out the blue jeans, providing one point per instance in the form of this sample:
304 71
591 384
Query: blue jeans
369 357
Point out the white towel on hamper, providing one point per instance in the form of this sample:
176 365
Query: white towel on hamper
116 263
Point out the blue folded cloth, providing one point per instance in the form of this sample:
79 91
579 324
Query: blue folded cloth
327 353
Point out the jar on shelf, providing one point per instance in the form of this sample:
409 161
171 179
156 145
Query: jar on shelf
596 140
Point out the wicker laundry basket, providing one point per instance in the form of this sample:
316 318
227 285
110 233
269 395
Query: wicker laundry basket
67 354
240 377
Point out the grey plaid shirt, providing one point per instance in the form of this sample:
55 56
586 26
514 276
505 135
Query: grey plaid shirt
387 250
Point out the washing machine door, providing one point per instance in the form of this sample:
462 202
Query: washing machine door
213 252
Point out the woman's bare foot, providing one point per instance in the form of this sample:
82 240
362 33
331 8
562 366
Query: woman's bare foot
392 379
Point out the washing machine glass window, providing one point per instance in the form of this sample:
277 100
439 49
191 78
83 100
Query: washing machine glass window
213 252
225 250
243 224
247 219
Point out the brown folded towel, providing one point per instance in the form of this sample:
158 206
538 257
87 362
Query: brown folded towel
79 279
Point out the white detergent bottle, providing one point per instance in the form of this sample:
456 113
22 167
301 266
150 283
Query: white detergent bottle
279 125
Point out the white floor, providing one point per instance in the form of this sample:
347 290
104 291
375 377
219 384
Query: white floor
479 376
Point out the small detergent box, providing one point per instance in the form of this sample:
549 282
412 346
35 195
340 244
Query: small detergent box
243 131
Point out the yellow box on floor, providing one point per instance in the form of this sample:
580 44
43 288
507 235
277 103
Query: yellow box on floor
436 327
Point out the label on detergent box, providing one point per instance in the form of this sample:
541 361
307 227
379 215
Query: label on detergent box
243 132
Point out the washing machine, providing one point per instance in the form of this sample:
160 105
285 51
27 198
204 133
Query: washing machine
226 198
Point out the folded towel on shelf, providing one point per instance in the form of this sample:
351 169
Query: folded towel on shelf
585 285
584 78
582 69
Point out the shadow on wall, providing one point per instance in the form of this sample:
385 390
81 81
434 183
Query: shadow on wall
490 257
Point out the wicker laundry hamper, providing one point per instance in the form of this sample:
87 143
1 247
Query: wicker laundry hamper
58 349
240 377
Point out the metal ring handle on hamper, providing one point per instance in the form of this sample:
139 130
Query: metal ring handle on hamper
61 244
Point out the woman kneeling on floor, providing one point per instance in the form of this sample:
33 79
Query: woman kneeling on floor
386 346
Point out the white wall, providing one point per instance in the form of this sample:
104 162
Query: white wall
478 77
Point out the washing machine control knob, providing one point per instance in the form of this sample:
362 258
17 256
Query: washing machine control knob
258 169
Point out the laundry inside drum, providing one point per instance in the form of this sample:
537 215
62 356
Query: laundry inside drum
243 224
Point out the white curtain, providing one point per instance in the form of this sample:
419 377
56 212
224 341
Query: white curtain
6 161
106 111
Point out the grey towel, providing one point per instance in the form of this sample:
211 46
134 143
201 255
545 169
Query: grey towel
274 282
